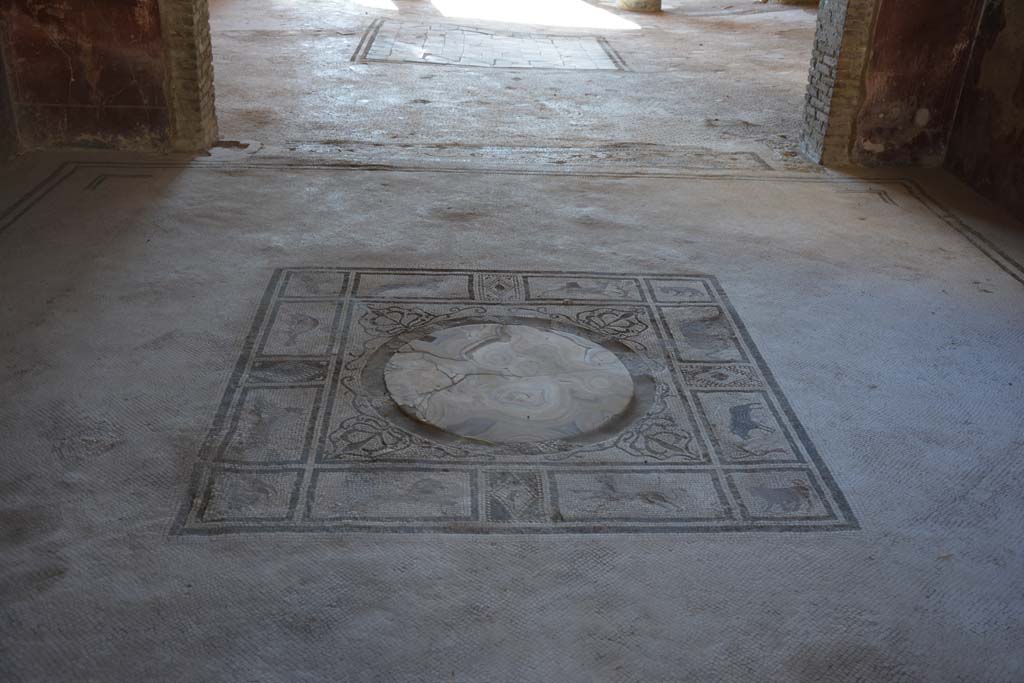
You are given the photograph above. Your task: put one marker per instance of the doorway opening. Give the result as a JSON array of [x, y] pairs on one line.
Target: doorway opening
[[704, 83]]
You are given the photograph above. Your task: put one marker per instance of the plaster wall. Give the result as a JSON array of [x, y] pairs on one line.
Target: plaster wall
[[987, 145], [87, 72], [912, 83]]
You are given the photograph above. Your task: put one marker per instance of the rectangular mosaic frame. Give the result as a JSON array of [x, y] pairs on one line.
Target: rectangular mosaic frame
[[296, 444], [388, 41]]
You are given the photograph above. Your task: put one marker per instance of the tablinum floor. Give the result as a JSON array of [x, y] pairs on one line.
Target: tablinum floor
[[701, 75], [868, 324]]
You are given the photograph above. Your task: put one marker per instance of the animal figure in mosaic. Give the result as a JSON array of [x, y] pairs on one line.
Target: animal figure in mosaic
[[426, 488], [610, 496], [742, 421], [685, 292], [708, 334], [260, 421], [252, 492], [793, 498], [603, 288], [298, 325], [759, 452]]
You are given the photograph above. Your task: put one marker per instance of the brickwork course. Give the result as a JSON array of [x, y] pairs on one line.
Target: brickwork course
[[835, 84]]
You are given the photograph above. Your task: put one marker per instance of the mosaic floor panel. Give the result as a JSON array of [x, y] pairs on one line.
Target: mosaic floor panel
[[453, 45], [533, 427]]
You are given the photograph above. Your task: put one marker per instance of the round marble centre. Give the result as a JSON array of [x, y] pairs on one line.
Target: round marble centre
[[508, 383]]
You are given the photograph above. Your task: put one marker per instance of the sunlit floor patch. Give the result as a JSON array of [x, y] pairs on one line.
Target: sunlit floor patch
[[561, 13], [378, 4]]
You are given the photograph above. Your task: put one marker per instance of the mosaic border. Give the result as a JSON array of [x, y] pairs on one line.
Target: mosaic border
[[543, 510]]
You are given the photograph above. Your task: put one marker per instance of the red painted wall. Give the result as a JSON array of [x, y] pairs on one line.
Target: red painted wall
[[86, 72], [919, 56]]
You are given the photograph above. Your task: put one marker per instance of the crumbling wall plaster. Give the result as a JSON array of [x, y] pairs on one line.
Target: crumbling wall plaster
[[86, 72], [987, 145], [912, 83], [125, 74]]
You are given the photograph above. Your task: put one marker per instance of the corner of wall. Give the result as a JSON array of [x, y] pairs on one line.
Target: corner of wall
[[188, 56], [836, 84]]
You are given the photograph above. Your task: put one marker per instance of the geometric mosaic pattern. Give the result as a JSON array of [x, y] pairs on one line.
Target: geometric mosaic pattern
[[308, 439], [393, 41]]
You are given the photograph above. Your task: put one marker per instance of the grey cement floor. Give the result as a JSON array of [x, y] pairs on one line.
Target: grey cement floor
[[127, 286], [888, 306]]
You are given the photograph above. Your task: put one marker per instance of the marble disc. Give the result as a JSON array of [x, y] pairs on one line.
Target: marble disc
[[508, 383]]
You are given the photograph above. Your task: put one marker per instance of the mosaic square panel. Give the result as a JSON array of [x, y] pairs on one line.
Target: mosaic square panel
[[392, 494], [780, 494], [744, 427], [680, 290], [562, 288], [454, 45], [703, 441], [414, 286], [639, 496], [272, 424], [515, 497], [235, 495], [702, 333], [300, 328]]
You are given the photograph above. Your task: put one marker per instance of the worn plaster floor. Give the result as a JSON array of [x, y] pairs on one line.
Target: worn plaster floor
[[559, 79], [221, 452], [882, 327]]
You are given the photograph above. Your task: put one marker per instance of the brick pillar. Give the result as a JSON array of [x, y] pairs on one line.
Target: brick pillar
[[189, 63], [836, 84]]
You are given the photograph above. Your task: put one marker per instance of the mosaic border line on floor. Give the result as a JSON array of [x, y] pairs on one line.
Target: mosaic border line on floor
[[663, 158], [456, 488]]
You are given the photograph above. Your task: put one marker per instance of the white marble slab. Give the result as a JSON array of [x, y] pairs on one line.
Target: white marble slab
[[509, 383]]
